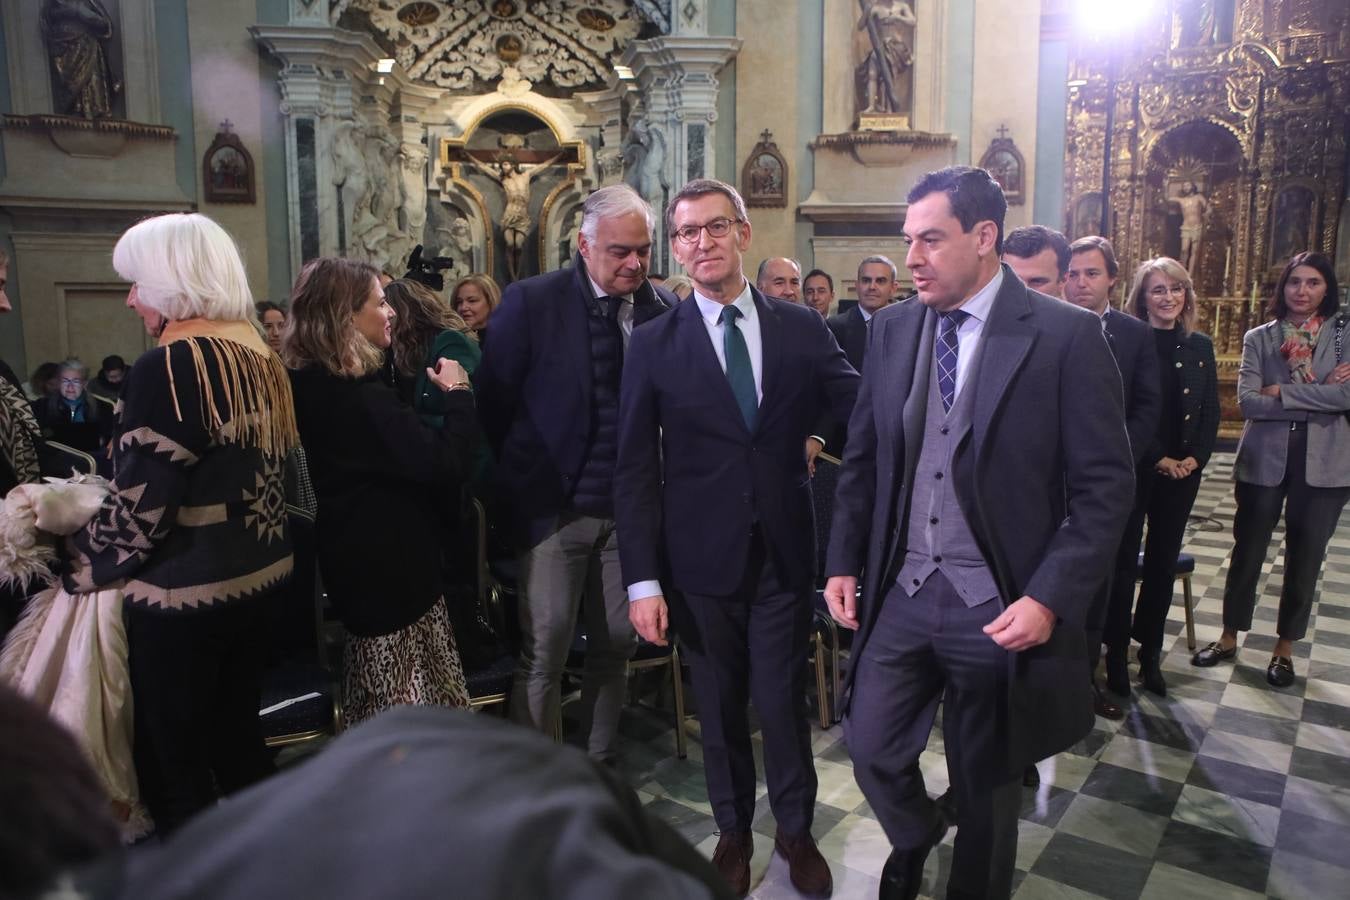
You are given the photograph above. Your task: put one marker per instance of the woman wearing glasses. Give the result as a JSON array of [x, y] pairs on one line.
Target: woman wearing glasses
[[1162, 295], [1294, 390]]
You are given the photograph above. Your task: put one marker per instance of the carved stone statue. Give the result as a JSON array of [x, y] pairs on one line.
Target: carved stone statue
[[884, 56], [75, 31], [457, 244], [1193, 207], [349, 174], [515, 183], [644, 153], [567, 247], [413, 161]]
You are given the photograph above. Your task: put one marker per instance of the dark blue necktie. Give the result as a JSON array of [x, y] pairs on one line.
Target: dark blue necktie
[[948, 352], [739, 373]]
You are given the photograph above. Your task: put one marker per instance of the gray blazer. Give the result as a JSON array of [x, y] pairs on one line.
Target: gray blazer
[[1265, 437]]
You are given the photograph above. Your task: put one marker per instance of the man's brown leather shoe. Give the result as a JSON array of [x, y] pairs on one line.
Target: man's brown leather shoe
[[810, 873], [732, 859]]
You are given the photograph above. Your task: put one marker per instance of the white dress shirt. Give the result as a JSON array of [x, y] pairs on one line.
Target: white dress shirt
[[969, 332], [748, 323], [625, 310]]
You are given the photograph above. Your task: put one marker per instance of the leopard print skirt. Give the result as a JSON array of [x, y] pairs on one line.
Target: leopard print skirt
[[418, 665]]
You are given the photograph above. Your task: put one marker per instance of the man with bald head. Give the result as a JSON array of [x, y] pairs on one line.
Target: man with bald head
[[780, 277]]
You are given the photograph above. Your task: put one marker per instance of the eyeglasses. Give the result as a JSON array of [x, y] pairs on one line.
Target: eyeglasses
[[717, 228], [1178, 290], [74, 382]]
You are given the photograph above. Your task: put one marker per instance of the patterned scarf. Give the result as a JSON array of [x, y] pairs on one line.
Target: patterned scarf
[[19, 434], [1297, 349]]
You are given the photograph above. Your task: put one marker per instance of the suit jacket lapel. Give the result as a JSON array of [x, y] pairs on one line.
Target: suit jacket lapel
[[571, 314], [1004, 344], [703, 359], [771, 354]]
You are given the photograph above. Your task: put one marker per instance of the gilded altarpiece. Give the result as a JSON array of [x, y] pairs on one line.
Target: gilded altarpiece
[[1227, 151]]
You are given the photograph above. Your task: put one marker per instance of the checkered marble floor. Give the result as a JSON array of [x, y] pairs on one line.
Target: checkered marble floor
[[1225, 789]]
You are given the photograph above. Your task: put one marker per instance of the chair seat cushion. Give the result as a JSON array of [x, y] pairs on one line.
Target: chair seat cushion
[[495, 678], [1185, 564], [290, 681]]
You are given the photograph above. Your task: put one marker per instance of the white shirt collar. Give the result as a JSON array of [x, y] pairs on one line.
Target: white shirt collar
[[866, 316], [600, 292], [978, 305], [711, 310]]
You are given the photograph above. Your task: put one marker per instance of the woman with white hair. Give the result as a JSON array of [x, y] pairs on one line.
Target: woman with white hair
[[193, 531]]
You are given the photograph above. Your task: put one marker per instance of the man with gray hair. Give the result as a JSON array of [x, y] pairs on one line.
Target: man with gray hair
[[548, 397], [780, 277]]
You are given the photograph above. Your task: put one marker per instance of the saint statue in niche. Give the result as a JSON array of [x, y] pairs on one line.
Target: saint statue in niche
[[884, 55], [1204, 23], [76, 32], [514, 180], [1193, 206]]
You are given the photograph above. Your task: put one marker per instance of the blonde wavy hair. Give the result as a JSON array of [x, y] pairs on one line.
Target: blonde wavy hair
[[1169, 268], [420, 315], [320, 329]]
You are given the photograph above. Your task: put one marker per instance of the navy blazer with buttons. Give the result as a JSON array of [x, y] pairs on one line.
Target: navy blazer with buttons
[[692, 479], [1132, 345], [534, 390]]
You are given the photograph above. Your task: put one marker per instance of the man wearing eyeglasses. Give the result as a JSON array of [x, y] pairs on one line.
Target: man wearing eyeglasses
[[713, 502], [1092, 274]]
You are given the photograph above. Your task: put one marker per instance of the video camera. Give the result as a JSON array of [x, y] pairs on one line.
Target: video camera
[[427, 271]]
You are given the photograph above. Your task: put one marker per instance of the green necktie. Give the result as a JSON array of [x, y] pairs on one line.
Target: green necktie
[[739, 373]]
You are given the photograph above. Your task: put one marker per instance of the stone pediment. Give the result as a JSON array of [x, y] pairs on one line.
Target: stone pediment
[[468, 45]]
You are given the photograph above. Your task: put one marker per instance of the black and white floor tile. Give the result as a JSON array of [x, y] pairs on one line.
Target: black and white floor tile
[[1227, 788]]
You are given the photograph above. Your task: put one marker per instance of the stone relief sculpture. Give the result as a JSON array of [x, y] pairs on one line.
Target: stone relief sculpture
[[413, 162], [457, 244], [567, 247], [372, 191], [884, 56], [644, 153], [76, 32], [349, 174], [516, 223]]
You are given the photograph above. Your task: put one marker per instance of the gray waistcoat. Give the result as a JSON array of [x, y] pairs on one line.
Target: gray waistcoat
[[938, 537]]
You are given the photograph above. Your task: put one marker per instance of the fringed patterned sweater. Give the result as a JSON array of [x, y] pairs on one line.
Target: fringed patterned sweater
[[197, 512]]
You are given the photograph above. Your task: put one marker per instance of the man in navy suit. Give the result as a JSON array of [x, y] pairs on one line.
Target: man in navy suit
[[548, 397], [1091, 276], [713, 503], [981, 498]]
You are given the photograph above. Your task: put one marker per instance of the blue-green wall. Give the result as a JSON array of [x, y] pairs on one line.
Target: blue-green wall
[[1051, 102], [811, 114], [279, 275], [722, 22], [175, 88], [960, 75]]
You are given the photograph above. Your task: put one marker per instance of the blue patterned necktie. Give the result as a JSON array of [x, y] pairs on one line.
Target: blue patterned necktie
[[739, 372], [947, 354]]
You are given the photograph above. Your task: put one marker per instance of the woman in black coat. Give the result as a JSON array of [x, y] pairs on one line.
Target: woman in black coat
[[1163, 296], [385, 482]]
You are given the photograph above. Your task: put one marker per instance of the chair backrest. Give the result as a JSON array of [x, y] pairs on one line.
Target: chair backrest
[[823, 485], [294, 615], [63, 461]]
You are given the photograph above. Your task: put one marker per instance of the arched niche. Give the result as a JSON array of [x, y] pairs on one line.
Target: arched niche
[[510, 167]]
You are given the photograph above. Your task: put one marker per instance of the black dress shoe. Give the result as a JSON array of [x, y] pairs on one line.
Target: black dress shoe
[[902, 875], [1213, 655], [1150, 672], [946, 807], [1117, 675], [1280, 672], [1104, 707], [1031, 777]]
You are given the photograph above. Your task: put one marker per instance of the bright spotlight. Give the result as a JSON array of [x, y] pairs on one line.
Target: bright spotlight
[[1101, 19], [385, 66]]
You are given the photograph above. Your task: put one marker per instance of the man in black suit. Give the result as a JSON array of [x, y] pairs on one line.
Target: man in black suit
[[876, 289], [1092, 274], [981, 496], [713, 502], [548, 396]]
